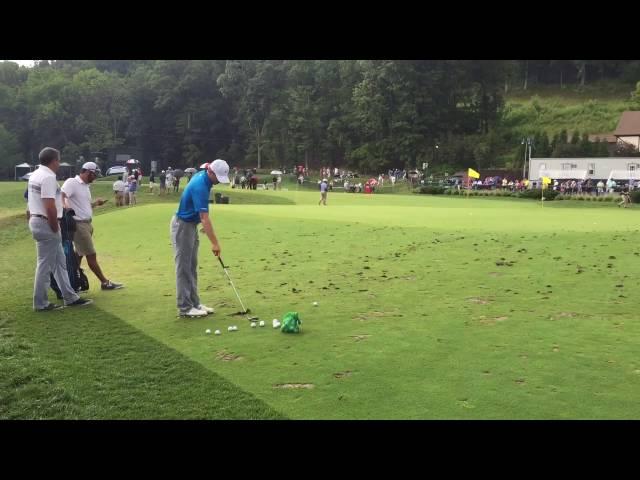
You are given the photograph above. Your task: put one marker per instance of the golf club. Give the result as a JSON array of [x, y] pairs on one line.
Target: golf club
[[245, 311]]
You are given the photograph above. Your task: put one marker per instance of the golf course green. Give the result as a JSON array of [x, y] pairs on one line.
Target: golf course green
[[429, 307]]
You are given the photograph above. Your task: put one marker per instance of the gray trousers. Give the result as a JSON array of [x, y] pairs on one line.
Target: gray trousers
[[51, 259], [185, 241]]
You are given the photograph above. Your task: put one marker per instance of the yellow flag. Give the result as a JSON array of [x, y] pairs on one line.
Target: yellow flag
[[546, 180], [473, 174]]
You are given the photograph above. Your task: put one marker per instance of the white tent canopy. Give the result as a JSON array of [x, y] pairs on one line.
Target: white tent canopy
[[23, 166], [624, 175], [564, 174], [583, 174]]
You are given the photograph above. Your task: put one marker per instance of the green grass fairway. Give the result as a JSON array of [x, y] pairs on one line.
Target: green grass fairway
[[429, 308]]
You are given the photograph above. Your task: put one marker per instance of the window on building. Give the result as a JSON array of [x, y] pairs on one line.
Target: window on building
[[566, 166], [632, 167], [592, 169]]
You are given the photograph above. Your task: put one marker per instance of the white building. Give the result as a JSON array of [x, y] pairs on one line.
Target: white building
[[618, 168]]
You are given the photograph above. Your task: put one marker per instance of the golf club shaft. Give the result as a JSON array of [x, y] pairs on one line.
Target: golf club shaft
[[232, 285]]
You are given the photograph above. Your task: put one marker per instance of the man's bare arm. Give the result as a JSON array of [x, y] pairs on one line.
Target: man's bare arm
[[52, 213], [208, 229]]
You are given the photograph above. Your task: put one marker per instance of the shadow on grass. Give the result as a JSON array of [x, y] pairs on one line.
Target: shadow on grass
[[88, 364]]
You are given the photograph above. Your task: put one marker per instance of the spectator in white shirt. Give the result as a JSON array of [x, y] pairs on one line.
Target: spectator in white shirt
[[77, 196], [45, 210], [118, 190]]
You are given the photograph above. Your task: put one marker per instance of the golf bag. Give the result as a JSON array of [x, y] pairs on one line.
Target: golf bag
[[77, 279]]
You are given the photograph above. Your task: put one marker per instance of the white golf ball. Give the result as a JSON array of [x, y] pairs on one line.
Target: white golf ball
[[235, 328], [253, 324], [315, 304], [207, 331], [262, 323], [217, 332], [230, 329]]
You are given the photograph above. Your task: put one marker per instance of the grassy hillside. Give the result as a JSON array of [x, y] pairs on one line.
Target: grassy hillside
[[593, 109]]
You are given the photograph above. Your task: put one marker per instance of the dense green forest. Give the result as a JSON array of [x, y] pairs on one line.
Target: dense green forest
[[368, 115]]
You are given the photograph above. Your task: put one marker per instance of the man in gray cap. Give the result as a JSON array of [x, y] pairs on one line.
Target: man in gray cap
[[194, 209], [77, 196], [45, 211]]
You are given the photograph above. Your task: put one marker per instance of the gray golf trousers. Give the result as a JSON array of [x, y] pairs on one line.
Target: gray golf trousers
[[51, 259], [185, 241]]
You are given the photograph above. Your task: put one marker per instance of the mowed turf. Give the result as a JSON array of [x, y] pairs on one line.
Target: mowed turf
[[429, 307]]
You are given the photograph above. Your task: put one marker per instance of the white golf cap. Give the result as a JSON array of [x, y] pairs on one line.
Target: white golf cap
[[221, 170], [90, 166]]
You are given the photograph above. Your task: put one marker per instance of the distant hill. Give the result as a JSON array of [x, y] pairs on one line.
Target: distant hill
[[594, 108]]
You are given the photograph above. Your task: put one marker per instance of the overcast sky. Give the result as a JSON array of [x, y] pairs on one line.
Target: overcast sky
[[25, 63]]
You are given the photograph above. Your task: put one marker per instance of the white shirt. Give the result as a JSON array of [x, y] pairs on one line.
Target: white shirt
[[118, 186], [43, 184], [78, 197]]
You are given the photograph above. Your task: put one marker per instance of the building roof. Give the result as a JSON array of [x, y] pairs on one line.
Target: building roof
[[607, 137], [629, 124]]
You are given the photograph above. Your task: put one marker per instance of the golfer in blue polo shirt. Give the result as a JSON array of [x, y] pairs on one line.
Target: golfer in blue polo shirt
[[194, 209]]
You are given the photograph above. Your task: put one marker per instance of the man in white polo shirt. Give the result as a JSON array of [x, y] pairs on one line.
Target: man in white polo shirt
[[45, 210], [77, 196], [118, 190]]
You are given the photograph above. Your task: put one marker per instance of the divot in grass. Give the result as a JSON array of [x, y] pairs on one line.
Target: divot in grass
[[227, 356], [359, 338], [479, 301], [307, 386]]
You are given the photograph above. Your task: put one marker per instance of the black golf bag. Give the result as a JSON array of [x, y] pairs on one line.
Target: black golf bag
[[78, 280]]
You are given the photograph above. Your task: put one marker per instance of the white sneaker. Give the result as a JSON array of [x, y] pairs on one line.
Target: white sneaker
[[209, 310], [194, 312]]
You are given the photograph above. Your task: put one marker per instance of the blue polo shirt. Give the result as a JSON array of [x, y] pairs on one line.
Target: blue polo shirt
[[195, 198]]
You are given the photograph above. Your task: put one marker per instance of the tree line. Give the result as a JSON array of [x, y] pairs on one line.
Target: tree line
[[368, 115]]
